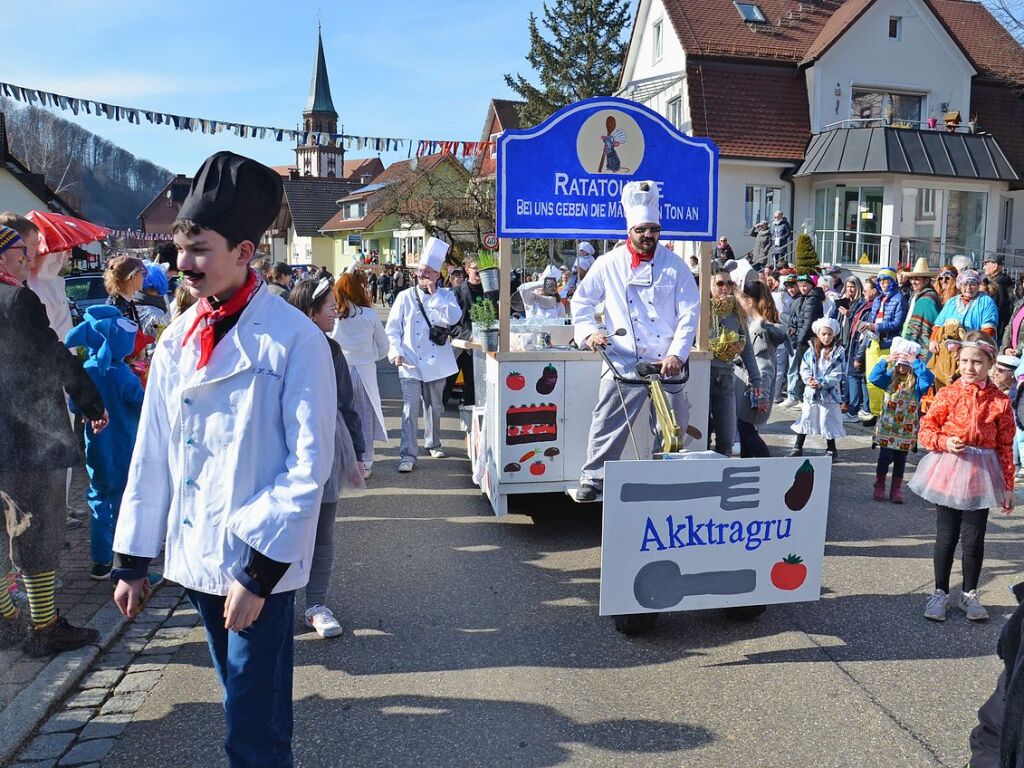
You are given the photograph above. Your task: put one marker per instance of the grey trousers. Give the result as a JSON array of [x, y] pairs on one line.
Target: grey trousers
[[609, 429], [323, 556], [34, 525], [429, 394], [723, 409]]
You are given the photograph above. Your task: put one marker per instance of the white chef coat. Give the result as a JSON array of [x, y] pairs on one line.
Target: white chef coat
[[657, 304], [362, 338], [541, 307], [235, 454], [409, 335]]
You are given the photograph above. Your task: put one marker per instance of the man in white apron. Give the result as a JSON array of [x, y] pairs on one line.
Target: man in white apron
[[419, 338], [235, 444], [649, 293]]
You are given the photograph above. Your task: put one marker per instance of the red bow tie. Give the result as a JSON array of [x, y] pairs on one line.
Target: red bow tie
[[636, 256]]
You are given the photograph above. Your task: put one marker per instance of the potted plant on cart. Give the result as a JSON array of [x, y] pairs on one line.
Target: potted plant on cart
[[485, 322], [487, 264]]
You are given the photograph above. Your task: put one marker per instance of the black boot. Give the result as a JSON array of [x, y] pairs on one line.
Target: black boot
[[830, 448], [798, 446], [58, 636]]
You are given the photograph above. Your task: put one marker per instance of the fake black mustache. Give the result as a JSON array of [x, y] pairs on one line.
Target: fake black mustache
[[190, 274]]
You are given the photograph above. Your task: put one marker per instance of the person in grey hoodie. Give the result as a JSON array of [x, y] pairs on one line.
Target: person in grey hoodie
[[765, 333], [728, 341]]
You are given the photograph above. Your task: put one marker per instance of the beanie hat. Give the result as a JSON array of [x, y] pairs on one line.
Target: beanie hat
[[8, 237], [887, 273]]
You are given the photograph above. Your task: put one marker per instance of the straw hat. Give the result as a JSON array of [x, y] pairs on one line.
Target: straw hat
[[921, 269]]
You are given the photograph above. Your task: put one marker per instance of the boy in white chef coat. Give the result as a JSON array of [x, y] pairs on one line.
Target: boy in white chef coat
[[418, 331], [649, 293], [235, 443]]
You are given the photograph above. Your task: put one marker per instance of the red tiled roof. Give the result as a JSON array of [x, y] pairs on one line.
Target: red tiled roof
[[714, 28], [1000, 112], [752, 111], [354, 168], [401, 172]]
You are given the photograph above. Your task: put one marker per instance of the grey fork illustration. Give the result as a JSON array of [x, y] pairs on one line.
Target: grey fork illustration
[[737, 489]]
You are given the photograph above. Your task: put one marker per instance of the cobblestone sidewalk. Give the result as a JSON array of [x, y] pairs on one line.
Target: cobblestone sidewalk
[[30, 687], [86, 726]]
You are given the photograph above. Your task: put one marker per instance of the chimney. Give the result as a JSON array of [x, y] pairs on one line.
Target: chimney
[[365, 178], [293, 174]]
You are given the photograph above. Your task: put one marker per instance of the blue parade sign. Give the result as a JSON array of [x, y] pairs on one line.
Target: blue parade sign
[[564, 178]]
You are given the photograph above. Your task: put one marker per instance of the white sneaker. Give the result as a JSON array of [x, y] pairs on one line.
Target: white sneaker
[[865, 416], [789, 402], [971, 605], [937, 606], [437, 453], [850, 419], [405, 466], [320, 618], [367, 470]]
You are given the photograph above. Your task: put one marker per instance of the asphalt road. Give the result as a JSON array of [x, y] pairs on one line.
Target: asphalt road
[[476, 642]]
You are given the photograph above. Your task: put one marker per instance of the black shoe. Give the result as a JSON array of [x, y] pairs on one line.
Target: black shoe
[[796, 452], [100, 571], [834, 453], [58, 636], [586, 493], [13, 632]]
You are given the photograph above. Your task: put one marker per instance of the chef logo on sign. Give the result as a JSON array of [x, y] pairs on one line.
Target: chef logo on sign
[[610, 142]]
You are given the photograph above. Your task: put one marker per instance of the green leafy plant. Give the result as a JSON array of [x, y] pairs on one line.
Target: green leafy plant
[[486, 260], [484, 314], [806, 259]]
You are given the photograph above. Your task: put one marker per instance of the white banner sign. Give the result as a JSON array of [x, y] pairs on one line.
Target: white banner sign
[[687, 535]]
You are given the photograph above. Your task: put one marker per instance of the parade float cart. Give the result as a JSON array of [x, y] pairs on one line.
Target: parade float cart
[[563, 179]]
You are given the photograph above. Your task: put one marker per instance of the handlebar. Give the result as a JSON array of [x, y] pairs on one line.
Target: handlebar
[[646, 371]]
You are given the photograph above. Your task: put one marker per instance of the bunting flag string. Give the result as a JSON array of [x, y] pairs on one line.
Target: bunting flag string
[[134, 115], [138, 234]]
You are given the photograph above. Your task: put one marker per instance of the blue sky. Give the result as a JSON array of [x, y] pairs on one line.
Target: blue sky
[[398, 68]]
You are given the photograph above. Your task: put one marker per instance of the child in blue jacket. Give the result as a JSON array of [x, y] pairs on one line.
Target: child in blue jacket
[[904, 379], [108, 337]]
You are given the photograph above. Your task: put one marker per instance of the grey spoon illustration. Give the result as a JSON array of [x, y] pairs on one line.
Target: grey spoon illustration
[[660, 585], [737, 489]]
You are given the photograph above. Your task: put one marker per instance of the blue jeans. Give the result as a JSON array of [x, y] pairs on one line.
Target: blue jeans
[[857, 390], [255, 670], [104, 508], [794, 382]]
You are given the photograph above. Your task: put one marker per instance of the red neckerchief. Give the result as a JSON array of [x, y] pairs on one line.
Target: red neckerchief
[[213, 315], [636, 256], [9, 279]]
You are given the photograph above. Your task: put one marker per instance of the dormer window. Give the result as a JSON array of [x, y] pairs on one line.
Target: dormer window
[[895, 27], [657, 39], [751, 13]]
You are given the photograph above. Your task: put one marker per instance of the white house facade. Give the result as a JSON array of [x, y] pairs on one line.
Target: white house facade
[[888, 129]]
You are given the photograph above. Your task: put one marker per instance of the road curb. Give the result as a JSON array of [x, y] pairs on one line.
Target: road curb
[[27, 711]]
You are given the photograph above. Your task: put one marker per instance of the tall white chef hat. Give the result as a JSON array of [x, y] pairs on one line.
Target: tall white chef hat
[[640, 203], [550, 271], [433, 254]]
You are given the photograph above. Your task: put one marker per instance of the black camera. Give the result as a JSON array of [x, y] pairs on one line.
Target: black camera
[[439, 334]]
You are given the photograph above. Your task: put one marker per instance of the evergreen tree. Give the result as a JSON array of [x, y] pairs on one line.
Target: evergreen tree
[[579, 57], [806, 261]]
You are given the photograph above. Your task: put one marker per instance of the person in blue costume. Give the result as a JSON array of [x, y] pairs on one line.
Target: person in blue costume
[[109, 337]]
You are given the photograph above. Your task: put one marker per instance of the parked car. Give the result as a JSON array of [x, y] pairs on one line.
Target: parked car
[[84, 289]]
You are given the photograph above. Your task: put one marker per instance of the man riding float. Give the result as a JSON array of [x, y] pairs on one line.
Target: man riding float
[[649, 293]]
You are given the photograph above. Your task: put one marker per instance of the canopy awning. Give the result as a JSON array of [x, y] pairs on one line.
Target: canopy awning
[[907, 151], [642, 91]]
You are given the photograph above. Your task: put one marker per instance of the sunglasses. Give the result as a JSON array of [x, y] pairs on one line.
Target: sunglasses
[[647, 230], [723, 283]]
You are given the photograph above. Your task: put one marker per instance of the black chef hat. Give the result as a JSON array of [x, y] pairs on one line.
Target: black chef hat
[[234, 196]]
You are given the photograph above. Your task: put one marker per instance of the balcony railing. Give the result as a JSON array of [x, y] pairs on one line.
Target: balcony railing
[[848, 247], [920, 125]]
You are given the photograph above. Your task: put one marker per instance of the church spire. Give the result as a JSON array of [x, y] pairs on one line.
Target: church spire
[[320, 87]]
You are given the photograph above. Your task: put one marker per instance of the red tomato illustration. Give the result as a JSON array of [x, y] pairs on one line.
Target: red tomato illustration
[[790, 573], [537, 468], [515, 381]]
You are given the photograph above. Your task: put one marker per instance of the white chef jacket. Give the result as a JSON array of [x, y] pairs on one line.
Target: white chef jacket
[[235, 454], [657, 304], [535, 304], [409, 335]]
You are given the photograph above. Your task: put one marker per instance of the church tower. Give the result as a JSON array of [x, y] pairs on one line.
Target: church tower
[[320, 116]]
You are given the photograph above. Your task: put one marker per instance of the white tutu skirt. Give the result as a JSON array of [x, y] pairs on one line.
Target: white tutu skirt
[[969, 480], [825, 419]]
